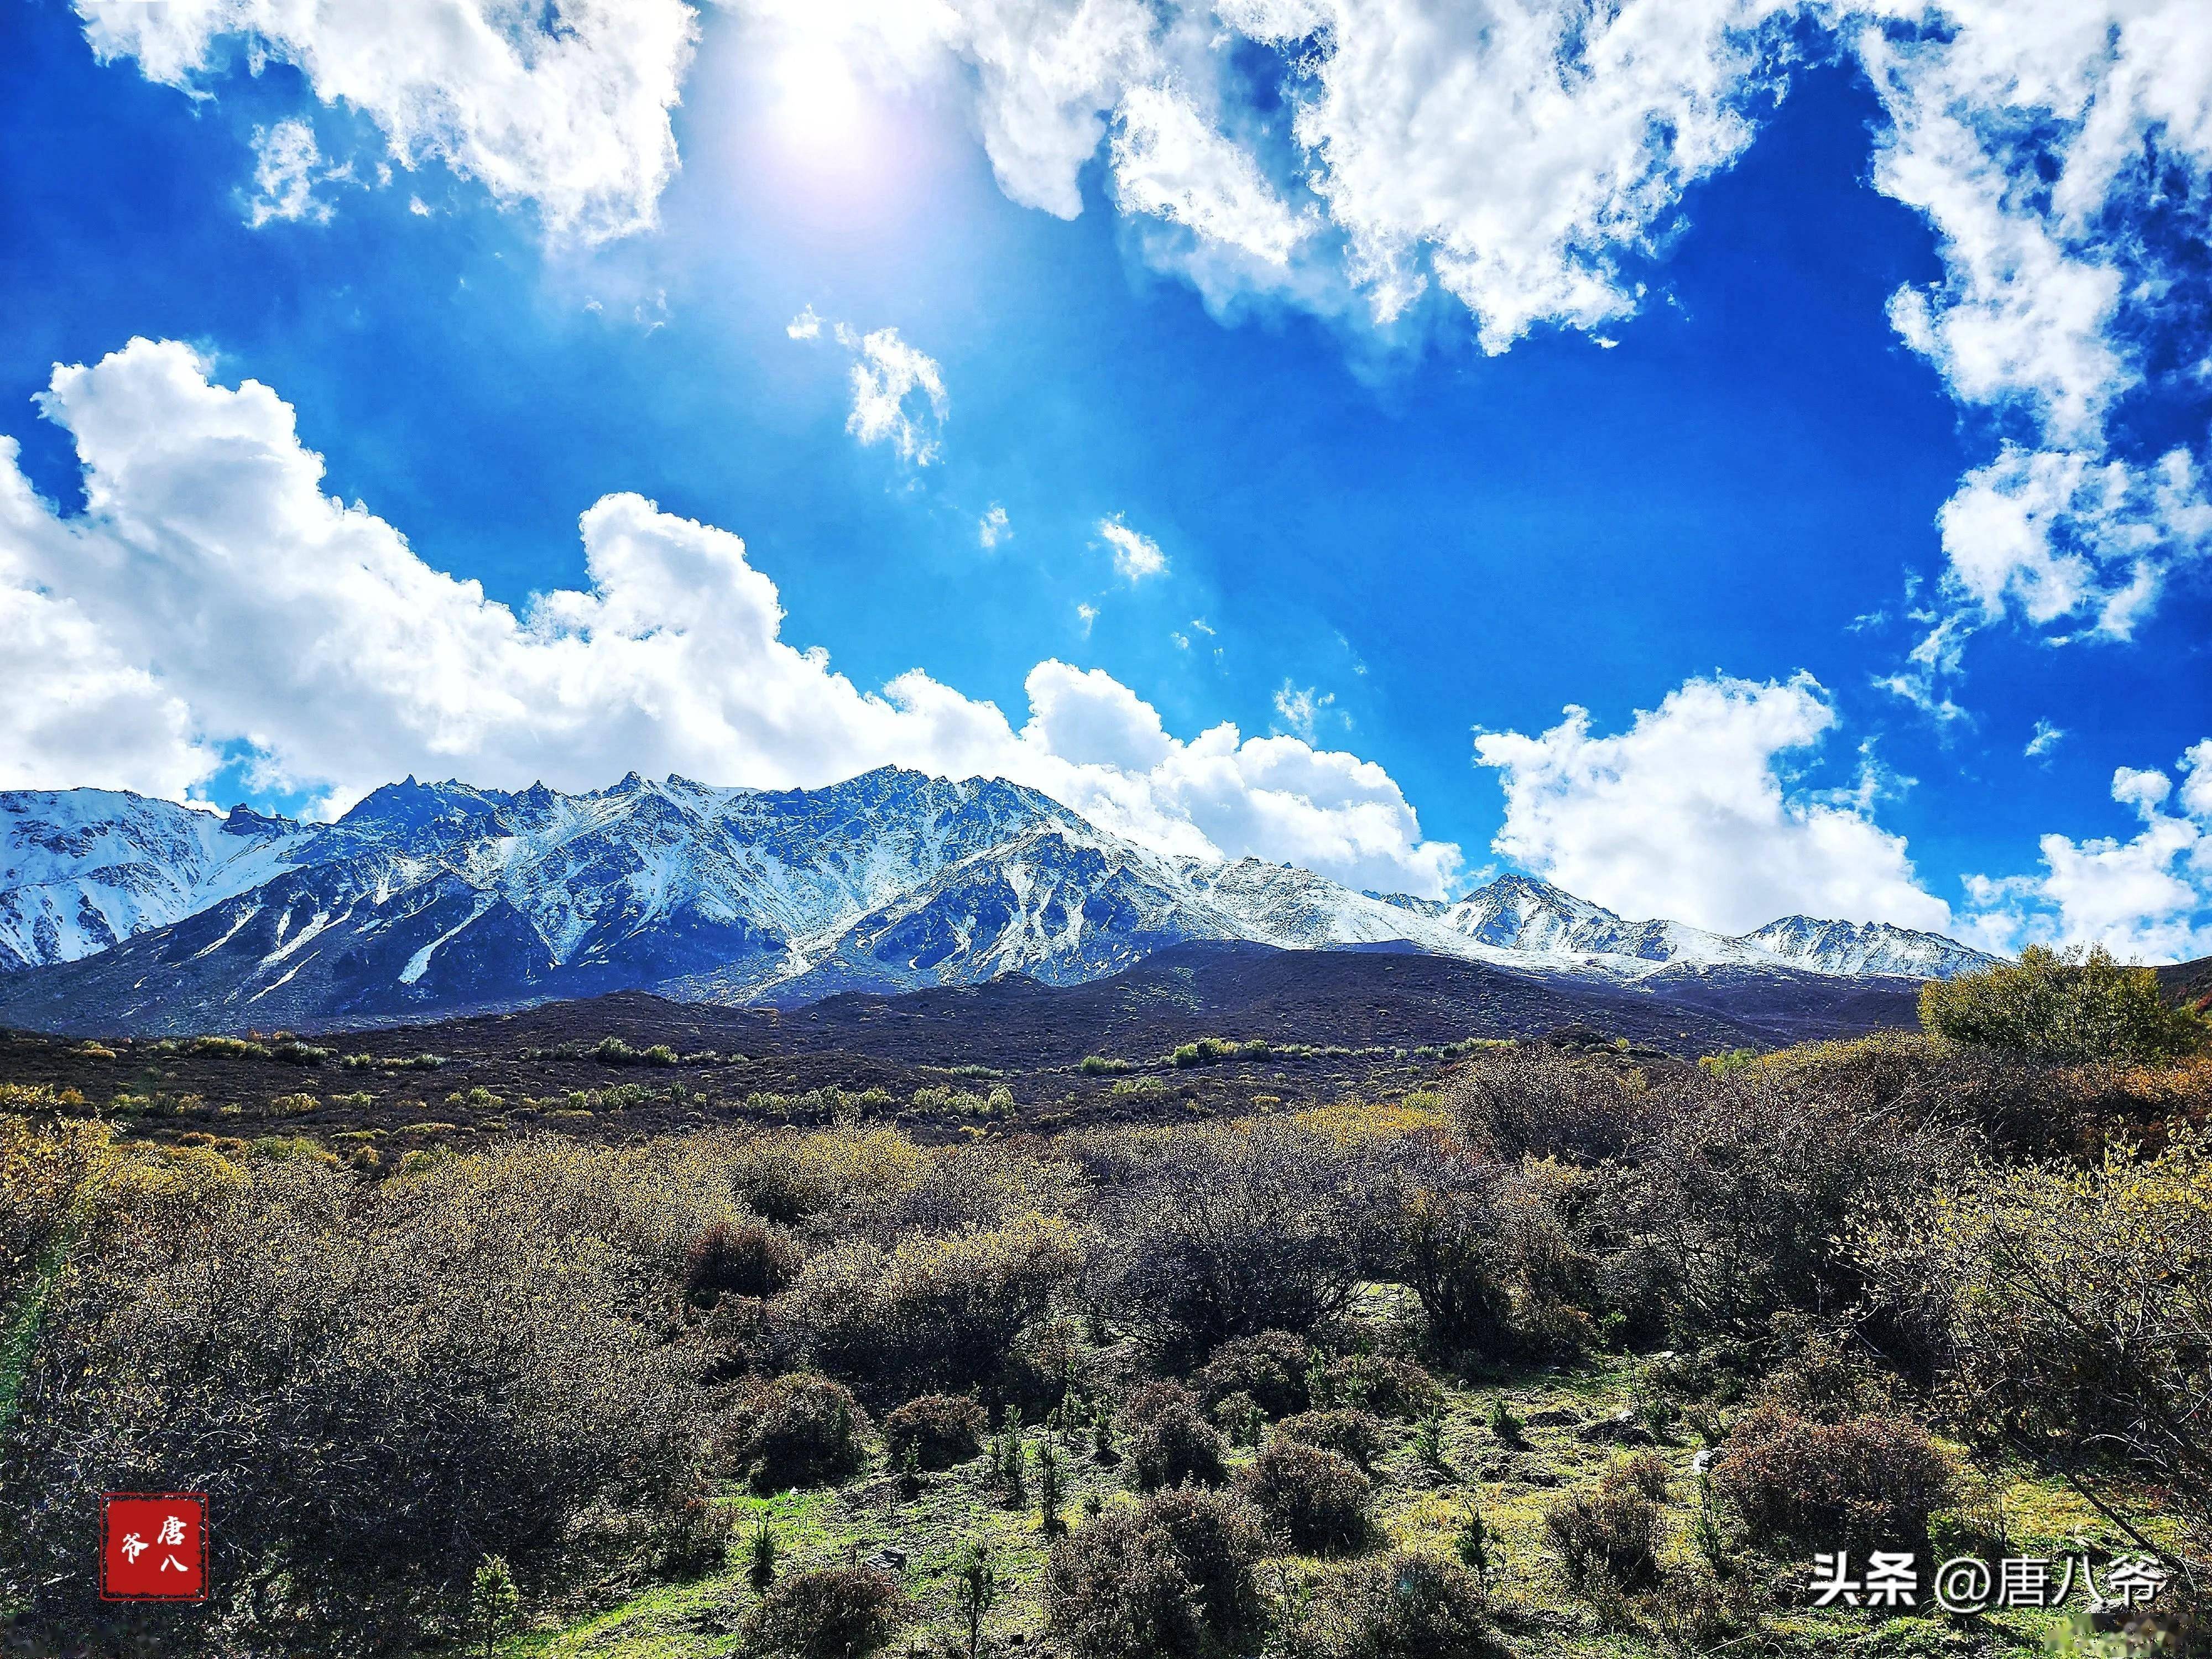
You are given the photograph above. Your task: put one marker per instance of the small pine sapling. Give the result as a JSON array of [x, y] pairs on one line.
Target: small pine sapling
[[494, 1606], [760, 1555], [974, 1587], [1102, 1435], [1429, 1439], [1503, 1423], [1048, 1490], [1472, 1545]]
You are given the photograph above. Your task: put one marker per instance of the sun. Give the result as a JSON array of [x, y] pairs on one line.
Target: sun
[[819, 103]]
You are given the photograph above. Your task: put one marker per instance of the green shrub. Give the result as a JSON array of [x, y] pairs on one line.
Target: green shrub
[[941, 1429], [1866, 1482], [1608, 1532], [1207, 1051], [1166, 1439], [2070, 1006], [930, 1313], [795, 1430], [1100, 1065], [737, 1258], [299, 1054], [1313, 1499], [1173, 1577], [1382, 1382], [1399, 1606], [444, 1363], [1224, 1230], [694, 1540], [228, 1046], [830, 1612], [2065, 1307], [1270, 1367], [1356, 1435]]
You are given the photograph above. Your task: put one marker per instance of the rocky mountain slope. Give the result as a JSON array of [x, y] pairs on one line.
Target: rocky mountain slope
[[122, 913]]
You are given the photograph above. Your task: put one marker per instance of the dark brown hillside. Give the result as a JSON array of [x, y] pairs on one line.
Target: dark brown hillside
[[2189, 982], [1340, 1023]]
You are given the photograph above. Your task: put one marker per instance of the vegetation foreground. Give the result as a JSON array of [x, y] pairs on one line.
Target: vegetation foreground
[[1587, 1353]]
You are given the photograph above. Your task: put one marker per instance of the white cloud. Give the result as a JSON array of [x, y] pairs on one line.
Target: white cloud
[[1301, 707], [564, 105], [211, 599], [992, 528], [1136, 555], [1168, 162], [86, 715], [2057, 536], [898, 394], [1692, 813], [2045, 737], [2148, 897], [1088, 615], [1528, 157], [2034, 137], [284, 173]]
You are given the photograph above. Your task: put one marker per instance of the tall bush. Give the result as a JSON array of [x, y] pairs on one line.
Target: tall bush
[[1174, 1577], [2063, 1005]]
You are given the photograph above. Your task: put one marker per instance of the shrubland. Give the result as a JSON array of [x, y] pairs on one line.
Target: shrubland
[[1589, 1354]]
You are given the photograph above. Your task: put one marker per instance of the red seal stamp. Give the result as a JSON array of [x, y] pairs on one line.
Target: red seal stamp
[[154, 1546]]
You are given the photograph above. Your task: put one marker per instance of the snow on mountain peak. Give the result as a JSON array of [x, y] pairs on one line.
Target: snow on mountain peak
[[435, 895]]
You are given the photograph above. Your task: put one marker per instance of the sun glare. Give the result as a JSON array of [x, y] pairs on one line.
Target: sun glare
[[819, 103]]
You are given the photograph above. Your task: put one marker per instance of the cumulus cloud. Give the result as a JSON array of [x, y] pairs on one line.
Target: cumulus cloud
[[1692, 813], [805, 327], [2148, 897], [1136, 555], [1519, 154], [2061, 535], [212, 600], [564, 106]]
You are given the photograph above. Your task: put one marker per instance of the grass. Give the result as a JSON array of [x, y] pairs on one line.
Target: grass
[[1418, 1507]]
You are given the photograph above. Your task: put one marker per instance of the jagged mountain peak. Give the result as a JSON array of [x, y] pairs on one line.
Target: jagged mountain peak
[[428, 897]]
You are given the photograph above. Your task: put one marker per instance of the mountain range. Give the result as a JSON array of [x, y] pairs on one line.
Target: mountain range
[[122, 913]]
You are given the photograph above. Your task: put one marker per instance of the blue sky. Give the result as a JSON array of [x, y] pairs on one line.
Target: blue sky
[[1657, 439]]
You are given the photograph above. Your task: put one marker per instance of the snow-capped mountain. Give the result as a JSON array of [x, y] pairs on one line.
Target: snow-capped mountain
[[430, 898], [82, 868]]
